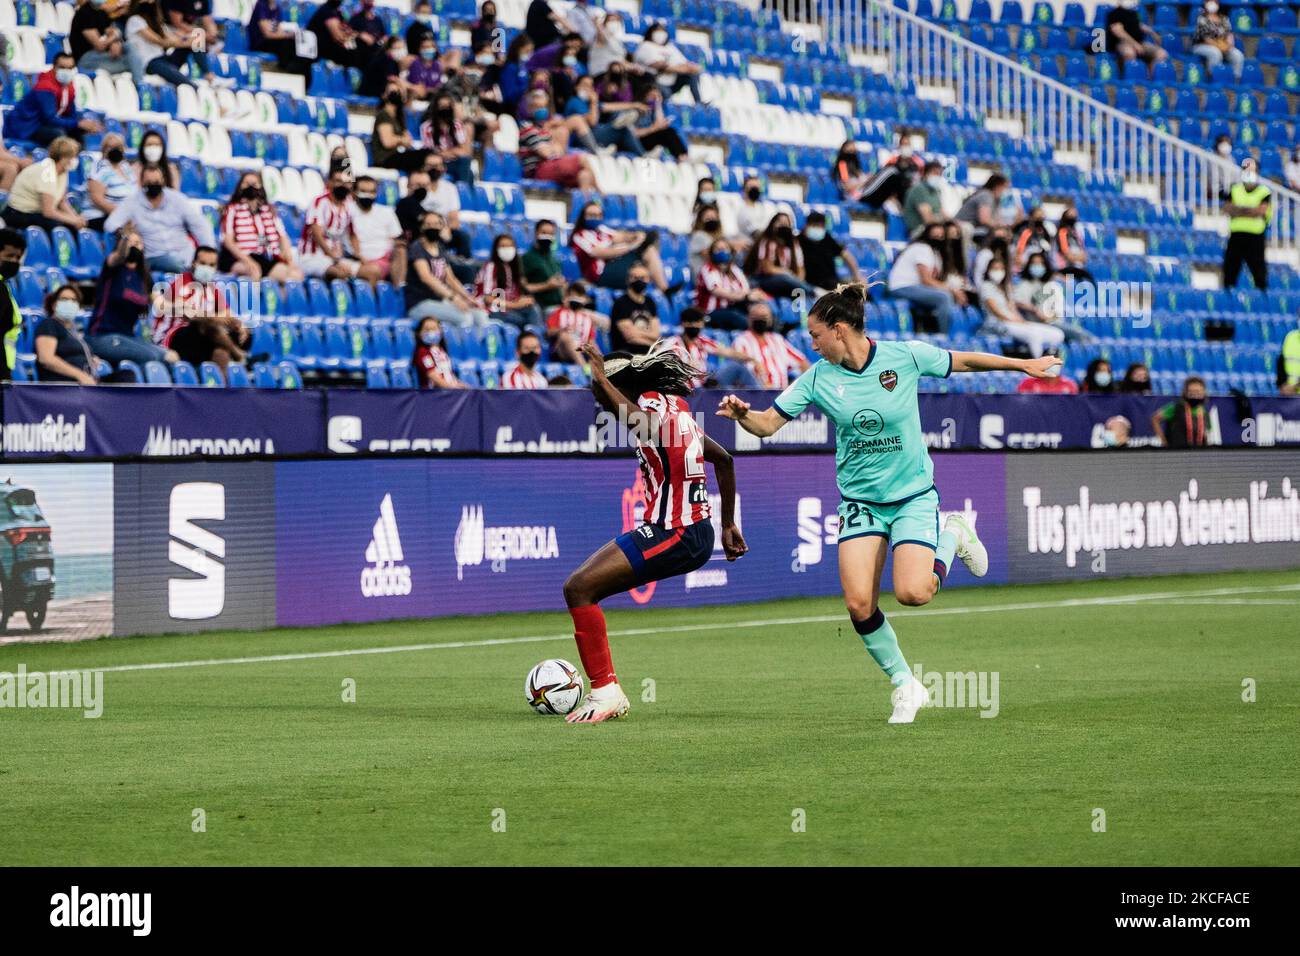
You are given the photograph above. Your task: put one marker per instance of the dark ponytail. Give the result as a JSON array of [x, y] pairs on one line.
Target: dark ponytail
[[846, 304]]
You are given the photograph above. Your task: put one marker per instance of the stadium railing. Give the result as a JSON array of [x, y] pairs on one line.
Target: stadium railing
[[907, 48]]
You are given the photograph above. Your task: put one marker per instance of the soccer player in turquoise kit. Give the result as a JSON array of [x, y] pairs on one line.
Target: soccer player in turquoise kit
[[883, 469]]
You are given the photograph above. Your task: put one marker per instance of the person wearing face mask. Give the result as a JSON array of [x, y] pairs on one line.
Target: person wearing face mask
[[916, 276], [1128, 38], [978, 214], [847, 171], [544, 150], [705, 231], [49, 109], [821, 251], [1182, 424], [193, 319], [1214, 43], [95, 42], [424, 75], [419, 25], [667, 63], [772, 358], [110, 180], [996, 246], [561, 61], [606, 256], [62, 355], [584, 106], [432, 287], [1249, 209], [121, 303], [775, 262], [40, 193], [1067, 245], [924, 201], [1099, 379], [1115, 433], [608, 47], [153, 152], [1137, 380], [522, 372], [253, 239], [486, 30], [391, 146], [734, 369], [1003, 319], [1032, 237], [13, 246], [442, 131], [543, 276], [377, 231], [1041, 298], [430, 190], [721, 290], [383, 68], [170, 225], [634, 317], [429, 357], [752, 215], [328, 246], [152, 44], [499, 287], [887, 188], [573, 324]]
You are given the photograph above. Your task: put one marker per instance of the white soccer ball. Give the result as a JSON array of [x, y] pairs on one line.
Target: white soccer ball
[[553, 687]]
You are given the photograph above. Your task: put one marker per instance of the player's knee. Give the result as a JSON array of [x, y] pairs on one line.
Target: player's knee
[[913, 595], [860, 609], [576, 592]]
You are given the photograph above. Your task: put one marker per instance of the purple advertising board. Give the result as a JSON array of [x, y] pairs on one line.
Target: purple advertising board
[[368, 540]]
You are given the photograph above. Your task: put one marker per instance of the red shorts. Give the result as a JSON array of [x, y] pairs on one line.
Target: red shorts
[[563, 171]]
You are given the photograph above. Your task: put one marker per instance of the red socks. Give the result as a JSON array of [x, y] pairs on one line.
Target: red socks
[[593, 645]]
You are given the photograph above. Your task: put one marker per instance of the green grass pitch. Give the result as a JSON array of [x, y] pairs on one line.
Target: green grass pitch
[[1118, 695]]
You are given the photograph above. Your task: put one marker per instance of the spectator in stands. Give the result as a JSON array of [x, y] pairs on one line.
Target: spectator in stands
[[328, 246], [430, 359], [11, 164], [1003, 319], [522, 372], [421, 25], [335, 40], [168, 223], [772, 357], [916, 276], [153, 152], [1214, 43], [1288, 364], [424, 75], [608, 47], [383, 67], [1182, 424], [543, 277], [475, 88], [110, 180], [997, 245], [655, 129], [253, 239], [49, 109], [1098, 379], [671, 70], [443, 131], [560, 61], [429, 190], [734, 371], [514, 73], [954, 263], [1070, 258], [1249, 208], [751, 216], [485, 29], [432, 288], [378, 234], [40, 193], [151, 42], [368, 27], [924, 201], [95, 42], [978, 214], [607, 255], [775, 261], [582, 21], [820, 251], [634, 317], [543, 149], [1137, 380], [722, 292], [62, 355], [1128, 38], [13, 246], [850, 179], [1115, 433], [1292, 171], [269, 32], [586, 106], [1040, 297], [572, 324], [1032, 237], [391, 146], [1058, 384], [706, 195], [192, 19], [617, 104], [193, 319], [500, 285], [706, 230], [543, 25], [121, 302]]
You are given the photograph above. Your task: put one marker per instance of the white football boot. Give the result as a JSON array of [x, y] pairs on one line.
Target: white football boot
[[970, 549], [601, 703], [908, 699]]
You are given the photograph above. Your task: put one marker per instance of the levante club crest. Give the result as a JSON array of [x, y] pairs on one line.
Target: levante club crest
[[889, 378]]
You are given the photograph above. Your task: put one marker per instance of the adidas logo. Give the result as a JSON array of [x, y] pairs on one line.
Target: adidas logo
[[386, 576]]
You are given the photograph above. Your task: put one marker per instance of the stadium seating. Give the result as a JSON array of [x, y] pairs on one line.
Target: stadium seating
[[784, 122]]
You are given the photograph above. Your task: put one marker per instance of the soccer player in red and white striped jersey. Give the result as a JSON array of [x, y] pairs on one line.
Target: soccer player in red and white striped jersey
[[522, 373], [676, 531], [773, 357]]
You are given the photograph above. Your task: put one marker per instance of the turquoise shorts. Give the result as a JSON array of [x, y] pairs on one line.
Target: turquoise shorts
[[913, 520]]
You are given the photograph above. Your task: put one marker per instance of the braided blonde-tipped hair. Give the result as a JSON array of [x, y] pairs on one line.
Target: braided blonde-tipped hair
[[660, 369]]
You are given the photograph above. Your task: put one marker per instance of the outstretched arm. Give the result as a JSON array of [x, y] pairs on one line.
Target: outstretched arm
[[733, 543], [762, 424], [610, 398], [1046, 367]]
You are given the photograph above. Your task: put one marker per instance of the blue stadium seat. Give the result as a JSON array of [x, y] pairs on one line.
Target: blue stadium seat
[[210, 375], [237, 376], [155, 373], [183, 373]]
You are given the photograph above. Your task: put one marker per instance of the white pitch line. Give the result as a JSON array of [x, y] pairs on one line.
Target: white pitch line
[[687, 628]]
